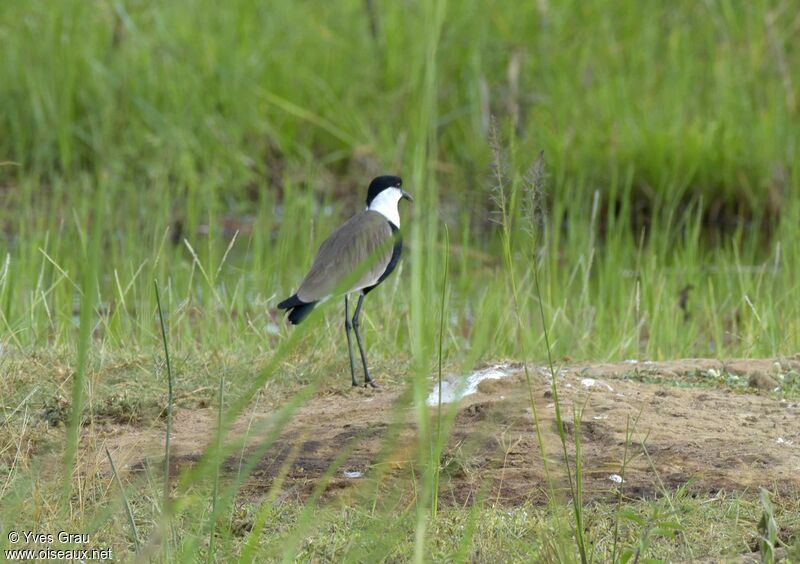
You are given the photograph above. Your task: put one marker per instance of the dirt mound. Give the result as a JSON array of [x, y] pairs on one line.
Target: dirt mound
[[710, 438]]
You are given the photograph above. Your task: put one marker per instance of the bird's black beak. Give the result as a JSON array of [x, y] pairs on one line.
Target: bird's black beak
[[407, 196]]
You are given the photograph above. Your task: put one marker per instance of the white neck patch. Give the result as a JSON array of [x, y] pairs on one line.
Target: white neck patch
[[385, 203]]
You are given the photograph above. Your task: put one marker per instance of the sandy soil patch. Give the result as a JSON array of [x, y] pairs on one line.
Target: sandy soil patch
[[710, 438]]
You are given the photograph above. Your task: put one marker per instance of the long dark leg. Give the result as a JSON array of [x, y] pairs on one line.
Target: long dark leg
[[356, 324], [347, 327]]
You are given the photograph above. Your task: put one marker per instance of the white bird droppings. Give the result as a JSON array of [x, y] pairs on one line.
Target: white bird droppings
[[455, 388], [616, 478], [589, 382]]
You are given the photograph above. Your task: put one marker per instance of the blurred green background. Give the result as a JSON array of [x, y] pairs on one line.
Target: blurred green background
[[212, 146], [672, 125], [191, 99]]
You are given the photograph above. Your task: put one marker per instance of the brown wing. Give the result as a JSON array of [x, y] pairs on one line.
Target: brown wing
[[356, 254]]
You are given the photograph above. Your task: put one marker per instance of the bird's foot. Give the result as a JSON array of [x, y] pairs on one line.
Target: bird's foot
[[371, 384]]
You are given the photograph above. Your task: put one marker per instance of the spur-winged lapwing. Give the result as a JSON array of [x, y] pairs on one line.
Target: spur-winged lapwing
[[360, 254]]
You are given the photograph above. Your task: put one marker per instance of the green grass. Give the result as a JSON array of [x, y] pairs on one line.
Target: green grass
[[212, 149], [172, 114]]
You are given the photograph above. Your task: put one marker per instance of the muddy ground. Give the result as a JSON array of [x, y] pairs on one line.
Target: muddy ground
[[682, 430]]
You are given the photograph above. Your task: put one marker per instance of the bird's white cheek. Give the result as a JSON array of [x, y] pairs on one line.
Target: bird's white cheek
[[385, 203]]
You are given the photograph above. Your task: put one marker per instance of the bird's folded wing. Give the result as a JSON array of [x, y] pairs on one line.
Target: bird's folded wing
[[354, 256]]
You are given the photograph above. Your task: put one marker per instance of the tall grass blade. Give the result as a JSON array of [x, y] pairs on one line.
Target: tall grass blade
[[215, 488], [87, 310], [168, 434], [128, 511], [439, 446]]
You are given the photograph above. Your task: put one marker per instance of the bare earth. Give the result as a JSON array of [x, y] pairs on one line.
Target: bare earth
[[709, 437]]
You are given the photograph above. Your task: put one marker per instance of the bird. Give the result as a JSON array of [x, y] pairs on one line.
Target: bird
[[359, 255]]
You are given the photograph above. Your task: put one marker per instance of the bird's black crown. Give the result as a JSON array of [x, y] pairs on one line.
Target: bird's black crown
[[380, 184]]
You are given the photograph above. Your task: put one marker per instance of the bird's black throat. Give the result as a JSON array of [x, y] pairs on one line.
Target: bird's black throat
[[397, 250]]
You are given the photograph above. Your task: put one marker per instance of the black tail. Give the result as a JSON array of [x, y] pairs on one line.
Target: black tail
[[298, 310]]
